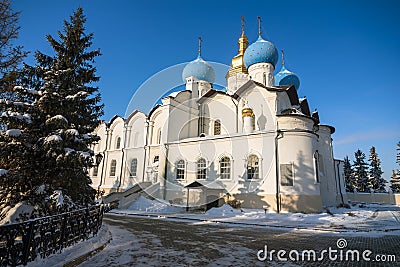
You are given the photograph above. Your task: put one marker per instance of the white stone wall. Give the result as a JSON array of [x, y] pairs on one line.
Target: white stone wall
[[177, 121], [222, 108]]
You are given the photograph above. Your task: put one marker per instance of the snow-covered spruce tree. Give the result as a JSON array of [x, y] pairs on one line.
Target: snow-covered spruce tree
[[348, 175], [360, 172], [64, 111], [70, 103], [18, 174], [375, 172], [395, 179]]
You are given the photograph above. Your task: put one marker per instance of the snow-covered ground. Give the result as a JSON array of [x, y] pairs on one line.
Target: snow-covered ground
[[72, 253], [359, 218], [373, 220]]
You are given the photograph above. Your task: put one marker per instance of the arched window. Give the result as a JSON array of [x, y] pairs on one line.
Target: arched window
[[225, 168], [217, 127], [118, 143], [133, 169], [156, 158], [159, 136], [113, 167], [201, 169], [180, 170], [316, 156], [135, 139], [252, 167]]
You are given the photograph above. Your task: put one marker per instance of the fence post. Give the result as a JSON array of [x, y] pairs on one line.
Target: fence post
[[63, 226], [27, 243]]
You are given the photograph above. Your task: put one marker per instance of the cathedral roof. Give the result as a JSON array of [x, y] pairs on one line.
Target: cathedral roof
[[289, 89], [286, 77], [200, 69], [261, 51], [210, 93]]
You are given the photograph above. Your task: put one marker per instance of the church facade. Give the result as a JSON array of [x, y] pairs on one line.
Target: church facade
[[256, 142]]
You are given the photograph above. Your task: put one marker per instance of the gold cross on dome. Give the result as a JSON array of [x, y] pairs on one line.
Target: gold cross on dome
[[242, 17], [200, 40]]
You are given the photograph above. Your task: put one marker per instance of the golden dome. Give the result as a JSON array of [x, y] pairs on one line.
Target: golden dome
[[237, 63], [247, 112]]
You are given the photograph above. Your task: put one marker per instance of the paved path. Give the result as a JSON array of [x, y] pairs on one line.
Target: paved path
[[139, 241]]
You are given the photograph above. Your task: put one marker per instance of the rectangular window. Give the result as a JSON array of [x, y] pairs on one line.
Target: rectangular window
[[252, 167], [201, 169], [321, 165], [316, 169], [95, 171], [180, 170], [113, 167], [201, 174], [286, 174], [225, 168], [133, 167]]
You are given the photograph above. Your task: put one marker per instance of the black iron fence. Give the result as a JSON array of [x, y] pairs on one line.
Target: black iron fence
[[23, 242]]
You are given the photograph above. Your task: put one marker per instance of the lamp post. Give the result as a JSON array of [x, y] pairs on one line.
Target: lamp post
[[98, 159]]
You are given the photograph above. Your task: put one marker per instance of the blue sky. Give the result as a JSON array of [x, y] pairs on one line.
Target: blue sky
[[346, 53]]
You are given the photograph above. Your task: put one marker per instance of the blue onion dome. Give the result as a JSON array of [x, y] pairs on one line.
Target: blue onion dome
[[286, 77], [200, 69], [261, 51]]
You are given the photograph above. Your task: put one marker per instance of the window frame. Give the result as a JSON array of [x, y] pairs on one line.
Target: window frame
[[217, 127], [180, 170], [253, 175], [158, 141], [118, 142], [222, 169], [95, 172], [201, 169], [291, 172], [113, 168], [131, 172], [316, 166]]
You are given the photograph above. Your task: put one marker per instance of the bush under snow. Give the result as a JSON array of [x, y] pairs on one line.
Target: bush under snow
[[13, 132], [18, 213], [145, 204], [224, 211]]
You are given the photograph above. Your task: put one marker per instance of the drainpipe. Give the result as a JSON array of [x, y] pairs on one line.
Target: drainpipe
[[145, 149], [122, 158], [237, 114], [278, 201], [165, 171], [200, 127]]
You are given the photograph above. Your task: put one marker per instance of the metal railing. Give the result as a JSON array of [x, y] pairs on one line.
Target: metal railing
[[23, 242]]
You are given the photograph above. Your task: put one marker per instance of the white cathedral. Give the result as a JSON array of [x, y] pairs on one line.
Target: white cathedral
[[255, 142]]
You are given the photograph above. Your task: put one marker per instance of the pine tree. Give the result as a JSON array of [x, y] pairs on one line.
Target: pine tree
[[348, 175], [360, 174], [375, 179], [398, 153], [395, 179], [54, 110]]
